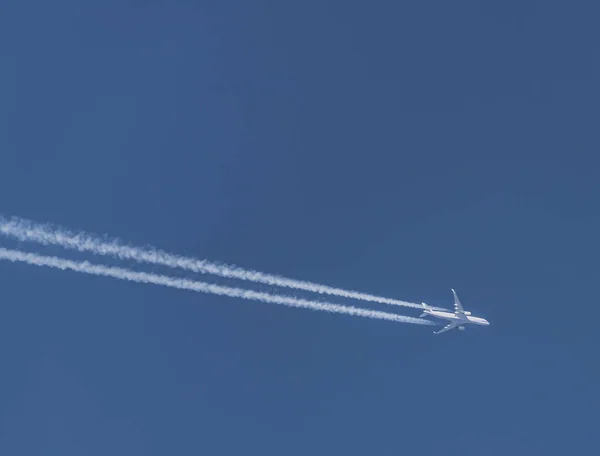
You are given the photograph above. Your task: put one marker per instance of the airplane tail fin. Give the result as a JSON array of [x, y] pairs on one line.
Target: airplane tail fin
[[426, 310]]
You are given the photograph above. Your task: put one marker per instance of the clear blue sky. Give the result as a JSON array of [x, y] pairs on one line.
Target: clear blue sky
[[394, 149]]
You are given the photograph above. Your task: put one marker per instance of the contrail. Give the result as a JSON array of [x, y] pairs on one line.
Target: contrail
[[184, 284], [25, 230]]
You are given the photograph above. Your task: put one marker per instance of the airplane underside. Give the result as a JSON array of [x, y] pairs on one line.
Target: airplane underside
[[458, 319]]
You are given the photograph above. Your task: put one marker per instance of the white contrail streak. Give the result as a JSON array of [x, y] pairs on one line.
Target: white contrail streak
[[184, 284], [25, 230]]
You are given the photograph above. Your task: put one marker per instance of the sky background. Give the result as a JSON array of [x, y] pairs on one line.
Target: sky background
[[395, 148]]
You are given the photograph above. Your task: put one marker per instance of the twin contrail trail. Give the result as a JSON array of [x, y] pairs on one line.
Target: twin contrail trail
[[184, 284], [25, 230]]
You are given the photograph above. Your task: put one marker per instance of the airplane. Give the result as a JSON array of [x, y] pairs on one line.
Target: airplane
[[458, 318]]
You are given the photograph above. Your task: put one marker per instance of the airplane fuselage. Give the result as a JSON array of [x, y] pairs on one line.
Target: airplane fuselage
[[451, 316], [457, 319]]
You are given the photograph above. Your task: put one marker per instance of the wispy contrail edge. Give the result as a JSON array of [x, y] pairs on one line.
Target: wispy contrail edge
[[26, 230], [185, 284]]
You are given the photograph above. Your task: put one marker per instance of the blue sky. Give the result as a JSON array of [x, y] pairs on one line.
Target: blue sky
[[400, 150]]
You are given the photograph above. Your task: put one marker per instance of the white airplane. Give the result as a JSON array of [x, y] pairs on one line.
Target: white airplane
[[458, 318]]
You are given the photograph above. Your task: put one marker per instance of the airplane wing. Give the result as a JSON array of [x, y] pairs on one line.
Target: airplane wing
[[458, 308], [448, 327]]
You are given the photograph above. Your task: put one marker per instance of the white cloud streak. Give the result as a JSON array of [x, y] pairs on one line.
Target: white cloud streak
[[25, 230], [202, 287]]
